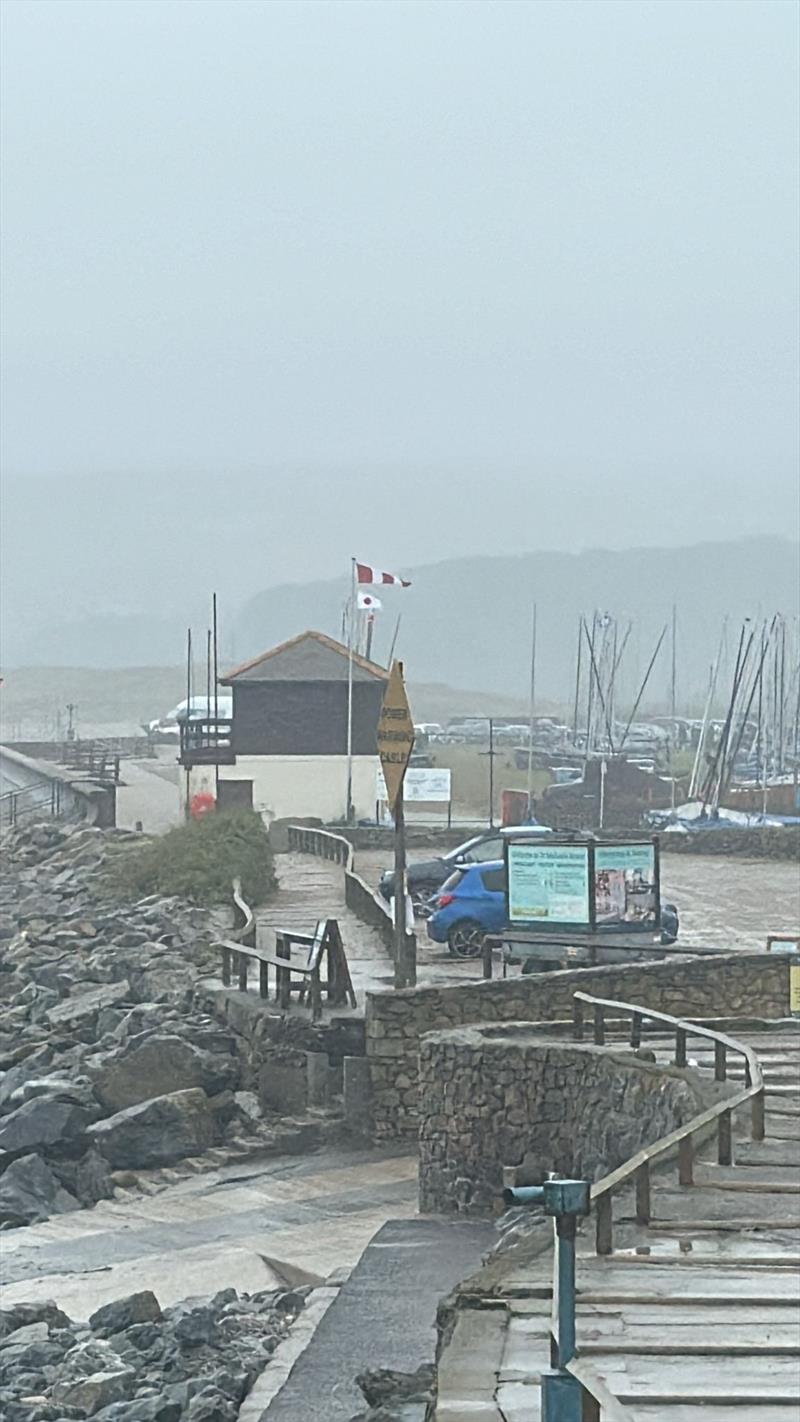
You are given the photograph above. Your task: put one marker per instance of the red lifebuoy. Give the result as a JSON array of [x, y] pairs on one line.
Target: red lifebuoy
[[201, 804]]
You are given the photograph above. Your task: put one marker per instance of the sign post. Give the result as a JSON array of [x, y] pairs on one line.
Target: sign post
[[395, 743]]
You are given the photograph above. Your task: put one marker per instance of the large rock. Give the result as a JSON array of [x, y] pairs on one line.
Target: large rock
[[22, 1315], [89, 1394], [83, 1006], [58, 1088], [124, 1313], [157, 1132], [159, 1065], [42, 1122], [29, 1191]]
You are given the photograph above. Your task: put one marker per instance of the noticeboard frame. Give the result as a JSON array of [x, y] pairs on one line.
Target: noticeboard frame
[[543, 927]]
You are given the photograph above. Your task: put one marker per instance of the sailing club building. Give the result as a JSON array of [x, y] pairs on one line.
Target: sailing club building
[[287, 744]]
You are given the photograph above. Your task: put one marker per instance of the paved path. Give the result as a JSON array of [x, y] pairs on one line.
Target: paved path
[[695, 1318], [315, 1213], [149, 794], [310, 889], [384, 1315]]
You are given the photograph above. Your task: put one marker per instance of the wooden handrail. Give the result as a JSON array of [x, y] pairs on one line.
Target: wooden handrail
[[244, 931], [682, 1138], [241, 948], [323, 844]]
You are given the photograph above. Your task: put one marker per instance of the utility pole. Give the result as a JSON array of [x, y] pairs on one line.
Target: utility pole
[[183, 730], [491, 754], [577, 682], [216, 695], [673, 711], [531, 713]]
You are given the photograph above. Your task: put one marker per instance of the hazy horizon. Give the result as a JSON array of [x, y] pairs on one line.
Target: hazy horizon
[[286, 283]]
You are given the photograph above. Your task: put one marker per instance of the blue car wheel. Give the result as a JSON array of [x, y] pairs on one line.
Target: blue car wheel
[[465, 939]]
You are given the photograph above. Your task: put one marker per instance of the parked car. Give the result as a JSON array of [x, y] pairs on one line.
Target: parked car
[[470, 904], [198, 709], [426, 876]]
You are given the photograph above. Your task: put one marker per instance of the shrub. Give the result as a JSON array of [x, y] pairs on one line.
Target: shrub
[[199, 860]]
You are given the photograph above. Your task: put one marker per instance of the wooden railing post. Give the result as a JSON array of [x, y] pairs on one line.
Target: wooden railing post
[[720, 1061], [643, 1194], [243, 966], [724, 1139], [599, 1025], [757, 1122], [636, 1029], [487, 957], [680, 1047], [604, 1225], [686, 1161], [263, 980], [577, 1020], [316, 996], [283, 975], [226, 966]]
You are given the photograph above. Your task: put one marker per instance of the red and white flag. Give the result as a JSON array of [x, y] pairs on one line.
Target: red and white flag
[[365, 574], [368, 603]]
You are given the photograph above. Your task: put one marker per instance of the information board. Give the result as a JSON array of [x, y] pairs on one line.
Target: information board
[[422, 783], [626, 885], [548, 884]]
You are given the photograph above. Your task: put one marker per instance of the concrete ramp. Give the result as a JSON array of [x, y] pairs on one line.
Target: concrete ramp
[[383, 1316]]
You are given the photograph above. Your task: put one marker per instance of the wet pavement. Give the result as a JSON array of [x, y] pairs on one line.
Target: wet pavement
[[724, 902], [223, 1229]]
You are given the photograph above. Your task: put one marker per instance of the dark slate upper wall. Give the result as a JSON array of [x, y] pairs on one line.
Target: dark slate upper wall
[[304, 718]]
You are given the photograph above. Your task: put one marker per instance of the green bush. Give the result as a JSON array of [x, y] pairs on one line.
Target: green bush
[[199, 860]]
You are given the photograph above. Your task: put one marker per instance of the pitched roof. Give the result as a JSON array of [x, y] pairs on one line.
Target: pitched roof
[[311, 656]]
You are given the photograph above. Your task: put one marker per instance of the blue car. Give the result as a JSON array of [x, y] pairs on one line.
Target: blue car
[[471, 903]]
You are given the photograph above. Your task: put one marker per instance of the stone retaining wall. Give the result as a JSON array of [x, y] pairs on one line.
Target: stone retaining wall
[[732, 985], [496, 1096]]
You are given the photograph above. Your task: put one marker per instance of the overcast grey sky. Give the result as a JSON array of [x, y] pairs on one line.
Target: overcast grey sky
[[550, 248]]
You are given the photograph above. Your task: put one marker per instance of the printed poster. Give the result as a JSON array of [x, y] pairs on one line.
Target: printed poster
[[625, 889], [548, 884]]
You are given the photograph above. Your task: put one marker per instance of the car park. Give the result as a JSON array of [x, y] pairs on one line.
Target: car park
[[425, 877]]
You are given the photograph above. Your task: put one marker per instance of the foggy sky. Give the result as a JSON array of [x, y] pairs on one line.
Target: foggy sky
[[525, 274]]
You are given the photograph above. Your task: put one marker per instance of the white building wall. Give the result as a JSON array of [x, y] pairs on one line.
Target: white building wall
[[302, 785]]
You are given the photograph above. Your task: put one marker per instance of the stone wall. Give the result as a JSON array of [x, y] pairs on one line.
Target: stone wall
[[290, 1062], [732, 985], [496, 1096]]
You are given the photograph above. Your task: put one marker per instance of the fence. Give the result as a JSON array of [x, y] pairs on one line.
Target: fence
[[364, 902], [30, 802]]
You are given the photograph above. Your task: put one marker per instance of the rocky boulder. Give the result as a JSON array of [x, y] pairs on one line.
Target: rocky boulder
[[29, 1191], [160, 1064], [157, 1132], [83, 1006], [42, 1122], [124, 1313]]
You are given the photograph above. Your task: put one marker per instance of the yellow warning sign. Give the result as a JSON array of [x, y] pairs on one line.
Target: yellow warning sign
[[794, 989], [395, 733]]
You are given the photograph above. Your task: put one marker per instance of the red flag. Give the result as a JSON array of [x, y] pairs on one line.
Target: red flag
[[366, 574]]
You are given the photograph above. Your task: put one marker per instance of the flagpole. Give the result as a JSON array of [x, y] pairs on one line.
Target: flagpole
[[531, 714], [350, 625]]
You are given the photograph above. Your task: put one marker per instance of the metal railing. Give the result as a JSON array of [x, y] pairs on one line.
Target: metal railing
[[637, 1170], [30, 802]]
